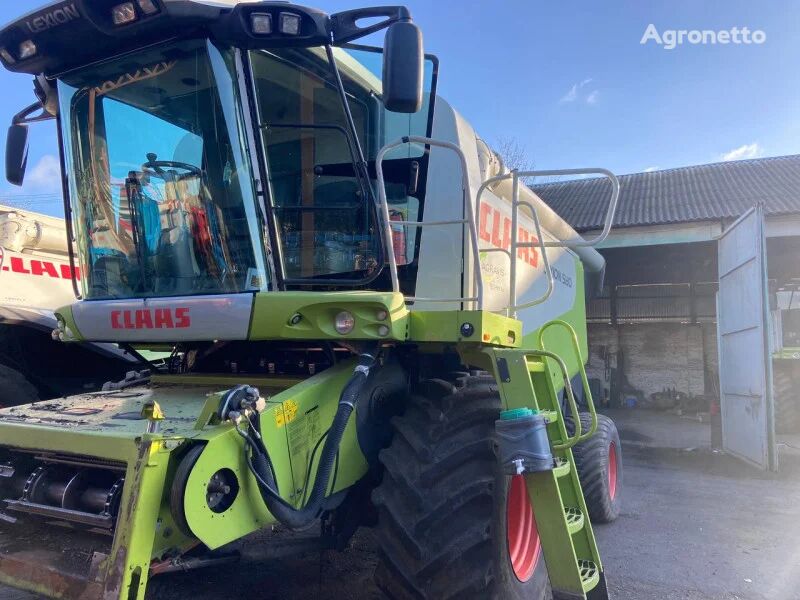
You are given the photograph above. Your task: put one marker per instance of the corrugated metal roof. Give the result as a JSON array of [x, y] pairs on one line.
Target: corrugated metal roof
[[698, 193]]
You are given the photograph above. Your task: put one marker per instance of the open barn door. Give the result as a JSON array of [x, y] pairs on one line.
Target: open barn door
[[745, 368]]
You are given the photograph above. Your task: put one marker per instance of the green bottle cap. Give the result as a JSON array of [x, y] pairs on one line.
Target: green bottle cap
[[517, 413]]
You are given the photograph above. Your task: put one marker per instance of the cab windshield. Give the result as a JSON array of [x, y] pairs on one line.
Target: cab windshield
[[162, 195]]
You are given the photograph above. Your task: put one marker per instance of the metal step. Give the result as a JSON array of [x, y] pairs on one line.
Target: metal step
[[562, 467], [575, 519], [590, 574]]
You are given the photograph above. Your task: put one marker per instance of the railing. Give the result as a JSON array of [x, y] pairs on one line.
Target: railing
[[577, 436], [469, 223]]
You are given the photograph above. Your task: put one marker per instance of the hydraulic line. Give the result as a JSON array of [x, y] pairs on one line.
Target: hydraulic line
[[261, 465]]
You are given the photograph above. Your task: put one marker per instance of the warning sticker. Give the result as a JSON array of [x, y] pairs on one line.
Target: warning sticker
[[285, 413]]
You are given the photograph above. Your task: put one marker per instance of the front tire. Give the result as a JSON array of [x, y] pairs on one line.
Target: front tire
[[451, 523]]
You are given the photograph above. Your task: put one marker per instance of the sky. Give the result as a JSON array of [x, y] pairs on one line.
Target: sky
[[570, 82]]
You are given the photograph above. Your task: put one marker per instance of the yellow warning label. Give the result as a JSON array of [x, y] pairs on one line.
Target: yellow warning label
[[286, 413]]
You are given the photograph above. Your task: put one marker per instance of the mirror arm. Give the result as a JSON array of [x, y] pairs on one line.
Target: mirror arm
[[344, 28], [24, 117]]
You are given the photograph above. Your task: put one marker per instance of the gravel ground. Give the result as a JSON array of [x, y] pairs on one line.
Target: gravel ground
[[694, 525]]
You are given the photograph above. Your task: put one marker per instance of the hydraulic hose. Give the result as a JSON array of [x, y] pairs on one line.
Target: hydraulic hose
[[261, 466]]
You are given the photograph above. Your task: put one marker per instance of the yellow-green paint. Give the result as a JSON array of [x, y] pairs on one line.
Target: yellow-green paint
[[311, 315]]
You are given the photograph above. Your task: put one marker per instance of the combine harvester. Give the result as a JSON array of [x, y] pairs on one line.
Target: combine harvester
[[372, 322], [35, 279]]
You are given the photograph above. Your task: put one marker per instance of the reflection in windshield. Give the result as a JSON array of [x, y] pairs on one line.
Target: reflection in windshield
[[162, 197]]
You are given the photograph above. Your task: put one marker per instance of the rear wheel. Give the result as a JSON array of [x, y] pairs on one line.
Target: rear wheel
[[451, 523], [15, 389], [786, 381], [599, 464]]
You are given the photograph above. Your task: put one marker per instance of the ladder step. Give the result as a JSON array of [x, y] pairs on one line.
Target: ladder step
[[536, 366], [574, 518], [590, 574], [550, 416], [562, 467]]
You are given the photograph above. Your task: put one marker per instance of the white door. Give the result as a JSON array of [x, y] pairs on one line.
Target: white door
[[745, 368]]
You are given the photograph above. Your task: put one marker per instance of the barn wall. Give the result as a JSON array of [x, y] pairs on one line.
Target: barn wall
[[657, 355]]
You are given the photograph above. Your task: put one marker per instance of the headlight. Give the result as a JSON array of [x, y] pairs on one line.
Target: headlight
[[344, 323]]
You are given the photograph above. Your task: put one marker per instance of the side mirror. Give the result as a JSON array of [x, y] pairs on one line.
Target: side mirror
[[403, 68], [16, 154]]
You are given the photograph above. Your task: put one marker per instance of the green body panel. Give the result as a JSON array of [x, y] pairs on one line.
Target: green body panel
[[273, 311], [107, 425]]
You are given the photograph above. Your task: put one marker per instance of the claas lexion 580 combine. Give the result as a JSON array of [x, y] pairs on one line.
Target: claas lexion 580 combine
[[368, 319]]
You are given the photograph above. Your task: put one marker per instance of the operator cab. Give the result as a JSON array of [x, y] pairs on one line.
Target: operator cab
[[238, 158]]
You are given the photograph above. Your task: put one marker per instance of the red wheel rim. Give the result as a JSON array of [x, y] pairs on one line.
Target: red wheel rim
[[524, 546], [612, 470]]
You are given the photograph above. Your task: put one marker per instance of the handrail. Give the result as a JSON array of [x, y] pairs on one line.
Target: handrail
[[584, 380], [516, 244], [610, 212], [469, 220], [573, 406]]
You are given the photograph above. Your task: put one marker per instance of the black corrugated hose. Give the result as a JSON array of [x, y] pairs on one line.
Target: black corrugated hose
[[261, 465]]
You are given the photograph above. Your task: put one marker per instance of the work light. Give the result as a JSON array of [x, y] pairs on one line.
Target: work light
[[27, 49], [148, 7], [261, 23], [290, 23], [122, 14]]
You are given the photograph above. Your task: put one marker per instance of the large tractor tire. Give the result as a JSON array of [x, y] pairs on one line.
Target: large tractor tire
[[15, 389], [599, 464], [786, 388], [451, 523]]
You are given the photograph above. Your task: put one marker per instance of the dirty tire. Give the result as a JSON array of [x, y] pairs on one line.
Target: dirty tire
[[786, 386], [592, 459], [442, 527], [15, 389]]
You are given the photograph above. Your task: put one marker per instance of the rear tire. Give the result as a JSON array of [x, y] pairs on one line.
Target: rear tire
[[444, 501], [15, 389], [786, 381], [599, 464]]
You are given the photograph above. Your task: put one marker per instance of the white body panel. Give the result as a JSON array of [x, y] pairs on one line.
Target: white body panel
[[442, 246], [195, 318], [34, 268]]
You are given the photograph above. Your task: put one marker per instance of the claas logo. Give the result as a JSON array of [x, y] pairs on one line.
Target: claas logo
[[22, 266], [496, 229], [158, 318]]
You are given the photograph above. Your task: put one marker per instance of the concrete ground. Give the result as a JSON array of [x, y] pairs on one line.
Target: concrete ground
[[694, 525]]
